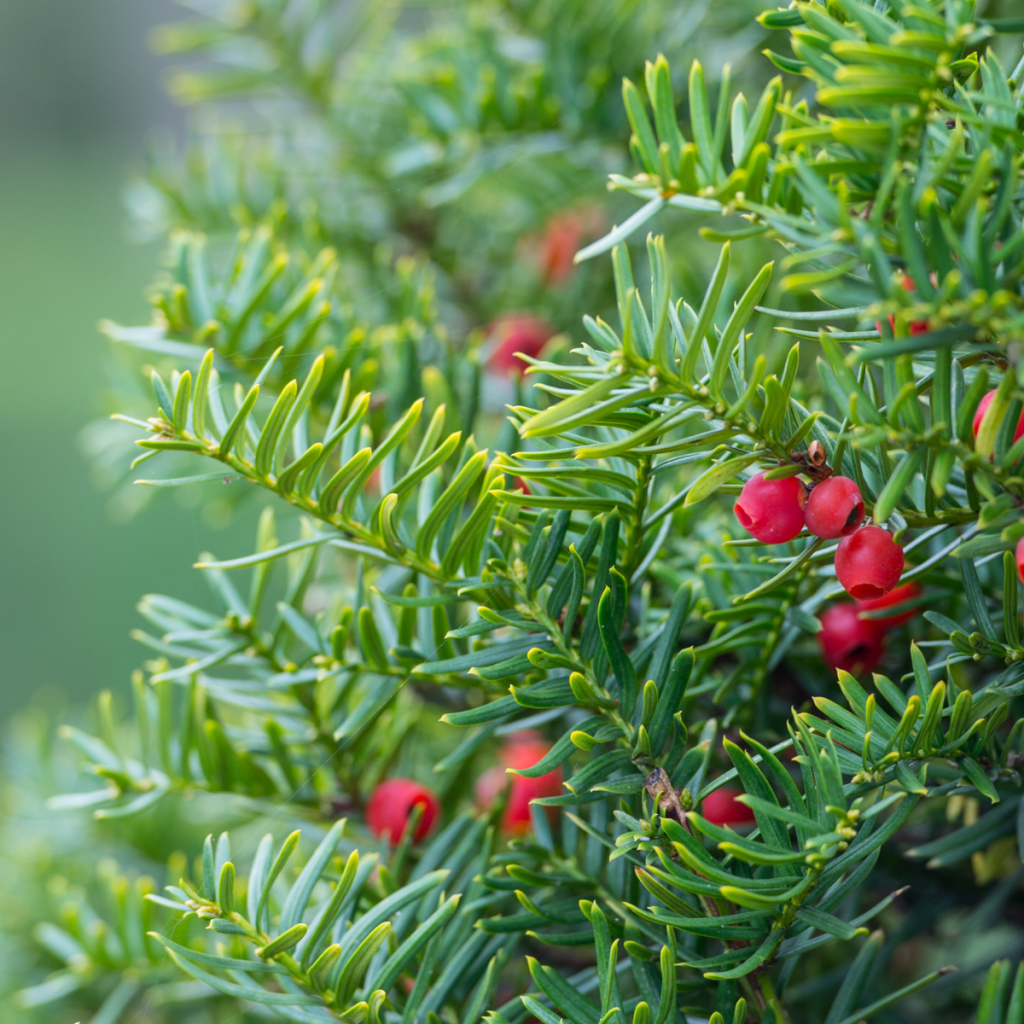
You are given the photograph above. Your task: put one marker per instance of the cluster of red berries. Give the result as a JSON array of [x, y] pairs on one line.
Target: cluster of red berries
[[391, 805], [868, 562]]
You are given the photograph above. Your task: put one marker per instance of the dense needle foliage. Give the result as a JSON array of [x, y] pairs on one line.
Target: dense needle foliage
[[462, 568]]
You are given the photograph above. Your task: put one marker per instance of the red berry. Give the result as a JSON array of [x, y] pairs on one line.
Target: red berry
[[979, 415], [869, 563], [849, 642], [1019, 557], [563, 234], [771, 510], [558, 247], [522, 751], [517, 332], [898, 596], [834, 508], [722, 808], [391, 804]]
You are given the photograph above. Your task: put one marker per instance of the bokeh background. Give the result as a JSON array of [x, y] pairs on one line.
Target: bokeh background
[[82, 92]]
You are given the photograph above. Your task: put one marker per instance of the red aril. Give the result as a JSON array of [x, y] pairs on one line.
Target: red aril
[[834, 508], [722, 808], [558, 247], [849, 642], [1019, 558], [772, 511], [979, 415], [869, 563], [391, 805], [517, 332], [523, 750], [563, 235]]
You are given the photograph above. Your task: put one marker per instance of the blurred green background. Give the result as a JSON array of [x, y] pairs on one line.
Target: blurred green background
[[82, 91]]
